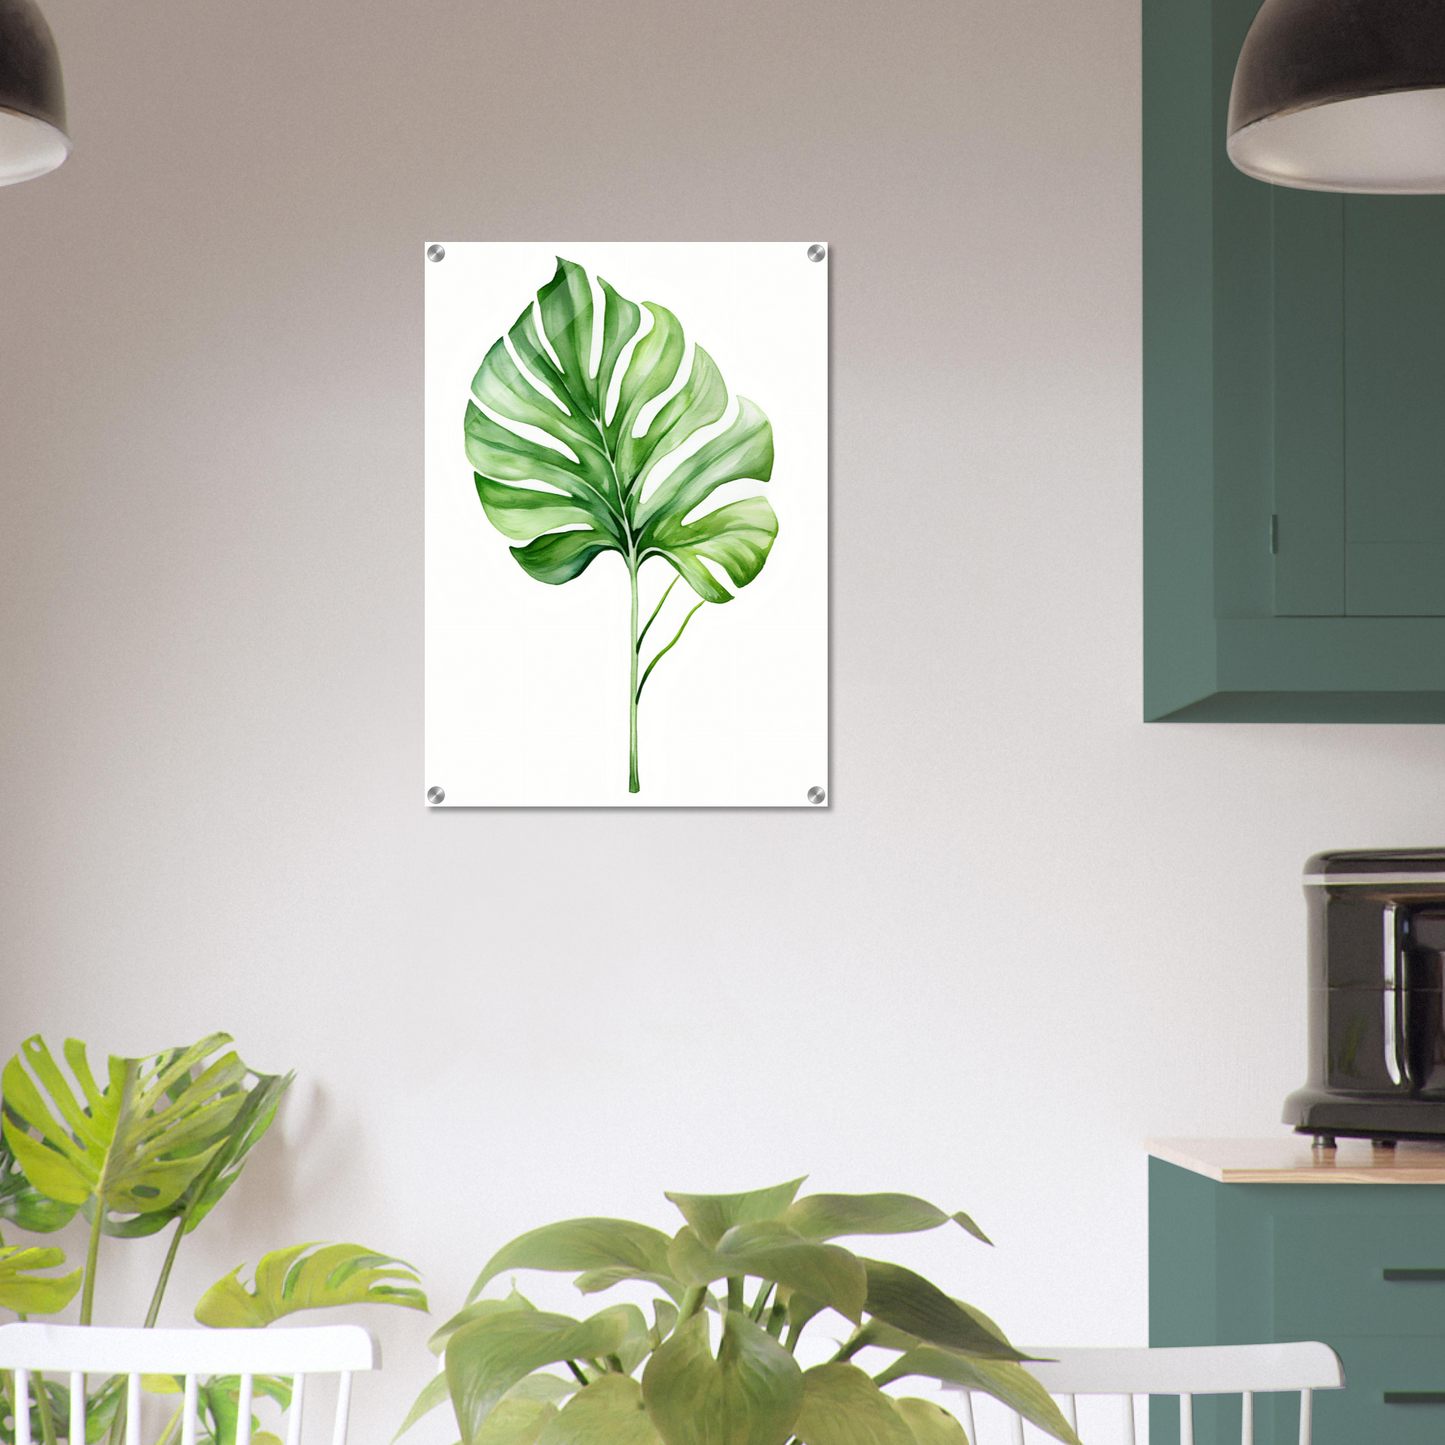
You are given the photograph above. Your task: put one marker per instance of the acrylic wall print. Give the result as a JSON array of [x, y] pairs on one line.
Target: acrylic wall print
[[607, 517]]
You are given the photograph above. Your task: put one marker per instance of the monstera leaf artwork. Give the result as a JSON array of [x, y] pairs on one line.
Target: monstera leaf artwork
[[599, 484]]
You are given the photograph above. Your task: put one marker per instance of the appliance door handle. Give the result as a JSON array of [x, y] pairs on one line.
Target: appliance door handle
[[1390, 999], [1415, 1397], [1436, 1276]]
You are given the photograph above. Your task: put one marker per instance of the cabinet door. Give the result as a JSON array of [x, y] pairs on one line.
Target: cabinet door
[[1294, 420], [1359, 389], [1394, 346]]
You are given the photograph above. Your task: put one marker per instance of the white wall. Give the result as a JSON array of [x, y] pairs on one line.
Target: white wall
[[1030, 932]]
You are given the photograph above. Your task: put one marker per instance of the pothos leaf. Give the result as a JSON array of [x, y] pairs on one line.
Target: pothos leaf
[[581, 1244], [750, 1394], [712, 1215], [906, 1300], [842, 1406], [487, 1356], [827, 1216], [294, 1279], [514, 1422], [930, 1424], [608, 1412], [1003, 1379]]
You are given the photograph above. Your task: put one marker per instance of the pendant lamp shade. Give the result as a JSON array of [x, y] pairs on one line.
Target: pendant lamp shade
[[1342, 95], [32, 96]]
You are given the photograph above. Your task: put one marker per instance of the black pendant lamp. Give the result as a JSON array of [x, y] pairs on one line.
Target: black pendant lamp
[[32, 96], [1342, 95]]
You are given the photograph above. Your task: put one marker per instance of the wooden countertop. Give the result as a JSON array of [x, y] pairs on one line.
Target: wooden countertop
[[1291, 1159]]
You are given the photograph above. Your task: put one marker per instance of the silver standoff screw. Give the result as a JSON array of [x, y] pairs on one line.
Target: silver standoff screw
[[436, 795], [816, 252], [817, 795], [435, 252]]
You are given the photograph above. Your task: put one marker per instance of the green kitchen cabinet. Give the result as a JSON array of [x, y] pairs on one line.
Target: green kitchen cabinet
[[1294, 420], [1359, 1265]]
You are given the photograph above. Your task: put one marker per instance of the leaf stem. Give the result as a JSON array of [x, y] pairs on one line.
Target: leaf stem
[[664, 652], [634, 691], [153, 1313], [172, 1427], [735, 1293], [762, 1299], [92, 1258], [573, 1366], [692, 1302], [641, 636], [42, 1401]]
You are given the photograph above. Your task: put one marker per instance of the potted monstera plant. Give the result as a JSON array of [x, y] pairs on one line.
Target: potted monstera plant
[[158, 1143], [752, 1272]]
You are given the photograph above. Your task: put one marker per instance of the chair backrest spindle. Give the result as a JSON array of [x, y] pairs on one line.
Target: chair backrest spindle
[[1183, 1372], [22, 1407], [33, 1350], [343, 1408], [190, 1408], [77, 1405], [298, 1404], [132, 1408], [243, 1410]]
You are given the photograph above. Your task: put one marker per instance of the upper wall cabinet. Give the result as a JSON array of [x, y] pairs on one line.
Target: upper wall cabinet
[[1294, 420]]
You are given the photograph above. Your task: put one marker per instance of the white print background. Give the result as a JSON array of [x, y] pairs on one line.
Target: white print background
[[526, 683]]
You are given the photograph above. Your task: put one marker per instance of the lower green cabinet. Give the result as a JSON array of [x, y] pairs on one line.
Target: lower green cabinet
[[1360, 1266]]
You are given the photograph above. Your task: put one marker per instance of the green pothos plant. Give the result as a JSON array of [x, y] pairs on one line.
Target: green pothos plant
[[762, 1264], [158, 1143], [595, 491]]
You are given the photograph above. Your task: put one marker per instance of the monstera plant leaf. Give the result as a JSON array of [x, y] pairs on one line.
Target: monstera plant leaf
[[132, 1146], [23, 1204], [598, 488], [294, 1279], [26, 1292], [222, 1169]]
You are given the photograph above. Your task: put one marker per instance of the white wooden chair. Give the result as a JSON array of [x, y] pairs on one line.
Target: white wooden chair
[[1188, 1371], [77, 1351]]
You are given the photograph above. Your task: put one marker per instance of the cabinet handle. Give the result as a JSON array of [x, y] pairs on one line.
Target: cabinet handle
[[1415, 1397], [1428, 1274]]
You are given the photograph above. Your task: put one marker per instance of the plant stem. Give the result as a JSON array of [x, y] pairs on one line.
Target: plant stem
[[642, 636], [172, 1426], [153, 1313], [633, 785], [42, 1401], [735, 1293], [762, 1299], [692, 1302], [664, 651], [572, 1365], [92, 1258]]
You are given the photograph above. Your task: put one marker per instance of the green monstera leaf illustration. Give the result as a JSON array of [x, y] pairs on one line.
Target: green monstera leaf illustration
[[600, 488]]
